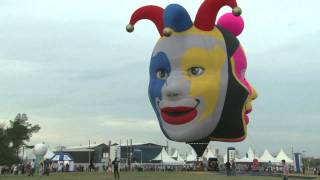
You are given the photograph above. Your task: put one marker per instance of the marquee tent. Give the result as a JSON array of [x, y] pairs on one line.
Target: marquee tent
[[62, 157], [177, 157], [192, 156], [164, 157], [250, 155], [266, 157], [209, 153], [283, 156]]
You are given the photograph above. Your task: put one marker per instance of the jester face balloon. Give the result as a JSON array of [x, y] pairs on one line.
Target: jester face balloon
[[197, 85]]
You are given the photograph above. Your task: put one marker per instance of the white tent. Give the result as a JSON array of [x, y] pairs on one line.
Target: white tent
[[209, 154], [63, 158], [164, 157], [283, 156], [266, 157], [192, 156], [175, 153], [177, 156], [250, 155]]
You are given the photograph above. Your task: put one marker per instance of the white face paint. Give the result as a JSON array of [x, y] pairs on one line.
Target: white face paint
[[180, 113]]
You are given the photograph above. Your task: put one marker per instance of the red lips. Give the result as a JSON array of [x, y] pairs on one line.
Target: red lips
[[178, 115]]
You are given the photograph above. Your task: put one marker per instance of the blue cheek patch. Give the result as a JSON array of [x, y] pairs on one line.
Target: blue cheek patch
[[159, 61]]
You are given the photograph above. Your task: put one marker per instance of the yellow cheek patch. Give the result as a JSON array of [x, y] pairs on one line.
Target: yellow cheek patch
[[206, 85]]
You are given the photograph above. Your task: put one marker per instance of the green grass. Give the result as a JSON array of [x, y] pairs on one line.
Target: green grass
[[144, 176]]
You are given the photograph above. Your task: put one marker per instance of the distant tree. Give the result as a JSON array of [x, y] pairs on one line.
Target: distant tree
[[61, 148], [14, 137], [2, 139], [311, 162]]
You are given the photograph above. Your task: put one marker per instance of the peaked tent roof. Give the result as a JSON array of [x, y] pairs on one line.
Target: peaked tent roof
[[180, 159], [250, 155], [283, 156], [192, 156], [175, 153], [176, 156], [266, 157], [62, 157], [164, 157], [209, 154]]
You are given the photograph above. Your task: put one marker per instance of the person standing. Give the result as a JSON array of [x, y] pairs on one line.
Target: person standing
[[15, 169], [285, 170], [46, 167], [269, 168], [116, 168], [109, 168], [228, 168], [233, 168], [67, 167], [32, 166], [41, 168]]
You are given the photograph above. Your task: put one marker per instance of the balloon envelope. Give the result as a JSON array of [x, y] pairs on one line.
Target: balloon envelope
[[40, 150], [197, 85]]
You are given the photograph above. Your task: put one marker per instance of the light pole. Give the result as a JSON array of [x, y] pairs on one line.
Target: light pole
[[303, 160], [141, 157], [89, 153]]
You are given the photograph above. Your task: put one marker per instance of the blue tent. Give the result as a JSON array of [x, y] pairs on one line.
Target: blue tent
[[62, 157]]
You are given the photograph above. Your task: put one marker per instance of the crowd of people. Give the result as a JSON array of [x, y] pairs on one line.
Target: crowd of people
[[265, 169], [17, 169], [316, 171], [44, 167], [28, 168]]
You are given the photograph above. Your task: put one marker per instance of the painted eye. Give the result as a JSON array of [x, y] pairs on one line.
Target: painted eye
[[195, 71], [162, 74]]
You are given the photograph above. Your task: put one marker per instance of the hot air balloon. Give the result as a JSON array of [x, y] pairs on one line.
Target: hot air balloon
[[39, 150], [197, 84]]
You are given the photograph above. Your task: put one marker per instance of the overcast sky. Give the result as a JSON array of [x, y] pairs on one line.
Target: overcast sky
[[72, 67]]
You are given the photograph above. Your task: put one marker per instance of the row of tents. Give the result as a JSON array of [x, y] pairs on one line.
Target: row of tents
[[266, 157]]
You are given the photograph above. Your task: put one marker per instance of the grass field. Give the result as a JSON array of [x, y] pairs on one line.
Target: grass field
[[146, 175]]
